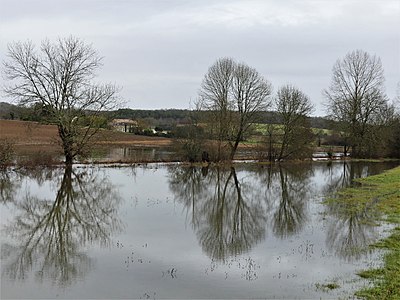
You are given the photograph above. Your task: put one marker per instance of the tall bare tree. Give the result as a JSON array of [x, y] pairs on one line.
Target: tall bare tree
[[59, 76], [293, 108], [215, 97], [234, 93], [356, 97]]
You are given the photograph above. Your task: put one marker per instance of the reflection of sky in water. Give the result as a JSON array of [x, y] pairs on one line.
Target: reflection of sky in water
[[158, 254]]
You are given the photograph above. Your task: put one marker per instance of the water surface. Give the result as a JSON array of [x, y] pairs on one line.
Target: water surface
[[167, 231]]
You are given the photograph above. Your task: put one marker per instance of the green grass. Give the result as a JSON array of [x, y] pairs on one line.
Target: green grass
[[262, 129], [383, 193]]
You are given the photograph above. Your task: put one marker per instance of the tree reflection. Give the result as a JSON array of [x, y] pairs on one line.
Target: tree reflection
[[350, 230], [8, 186], [287, 192], [226, 212], [50, 234], [342, 175], [188, 185], [289, 216]]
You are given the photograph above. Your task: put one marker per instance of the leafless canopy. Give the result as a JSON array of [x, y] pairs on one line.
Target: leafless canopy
[[292, 104], [59, 76], [293, 108], [356, 94], [234, 93]]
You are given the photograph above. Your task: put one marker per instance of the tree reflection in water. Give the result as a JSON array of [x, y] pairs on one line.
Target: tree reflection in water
[[350, 230], [287, 193], [226, 212], [50, 234], [8, 185], [289, 216], [347, 172], [342, 174], [230, 213]]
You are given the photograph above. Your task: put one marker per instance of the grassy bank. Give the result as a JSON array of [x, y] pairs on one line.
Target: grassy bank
[[382, 194]]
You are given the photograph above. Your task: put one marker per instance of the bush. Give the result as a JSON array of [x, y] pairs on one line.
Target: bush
[[7, 153], [38, 159], [189, 149]]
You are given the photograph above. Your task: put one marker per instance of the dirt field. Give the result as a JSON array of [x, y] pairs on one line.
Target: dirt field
[[34, 134], [35, 143]]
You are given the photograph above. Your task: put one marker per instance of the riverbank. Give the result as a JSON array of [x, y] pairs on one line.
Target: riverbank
[[380, 194]]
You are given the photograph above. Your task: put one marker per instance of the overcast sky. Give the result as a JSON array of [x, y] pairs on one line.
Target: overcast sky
[[158, 51]]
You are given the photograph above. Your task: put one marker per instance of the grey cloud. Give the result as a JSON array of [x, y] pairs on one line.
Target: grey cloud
[[160, 50]]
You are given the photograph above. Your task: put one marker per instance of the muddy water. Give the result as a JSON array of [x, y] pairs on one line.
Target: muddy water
[[166, 231]]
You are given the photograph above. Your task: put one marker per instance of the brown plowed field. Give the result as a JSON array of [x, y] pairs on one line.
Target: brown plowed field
[[23, 133]]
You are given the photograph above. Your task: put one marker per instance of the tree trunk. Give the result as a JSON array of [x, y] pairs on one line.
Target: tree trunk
[[69, 159], [67, 144], [233, 149]]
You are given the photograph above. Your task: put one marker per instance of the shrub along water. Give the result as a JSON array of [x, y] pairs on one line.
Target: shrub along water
[[7, 153]]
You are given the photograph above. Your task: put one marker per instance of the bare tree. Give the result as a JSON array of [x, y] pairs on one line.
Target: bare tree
[[215, 97], [356, 97], [293, 108], [59, 77], [250, 95], [234, 93]]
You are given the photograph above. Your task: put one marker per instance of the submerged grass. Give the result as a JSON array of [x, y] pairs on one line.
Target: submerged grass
[[382, 192], [327, 286]]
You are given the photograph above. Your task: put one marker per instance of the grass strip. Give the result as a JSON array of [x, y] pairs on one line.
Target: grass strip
[[382, 192]]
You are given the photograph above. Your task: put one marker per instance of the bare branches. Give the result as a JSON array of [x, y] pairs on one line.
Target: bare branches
[[234, 93], [293, 107], [356, 95], [356, 80], [292, 104], [215, 88], [59, 76], [250, 91]]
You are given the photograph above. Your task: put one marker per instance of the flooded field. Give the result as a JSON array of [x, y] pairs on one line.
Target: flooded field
[[168, 231], [133, 154]]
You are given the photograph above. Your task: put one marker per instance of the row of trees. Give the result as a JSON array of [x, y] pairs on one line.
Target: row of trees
[[235, 97], [59, 77]]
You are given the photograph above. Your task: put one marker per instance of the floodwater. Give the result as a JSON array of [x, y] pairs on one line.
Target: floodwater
[[149, 154], [168, 231], [133, 154]]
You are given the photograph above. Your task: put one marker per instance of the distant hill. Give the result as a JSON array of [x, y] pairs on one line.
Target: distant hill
[[10, 111], [6, 110], [164, 118]]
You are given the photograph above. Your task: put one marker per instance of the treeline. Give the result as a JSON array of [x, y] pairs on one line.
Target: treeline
[[165, 118], [234, 98], [183, 116], [179, 124], [235, 104]]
